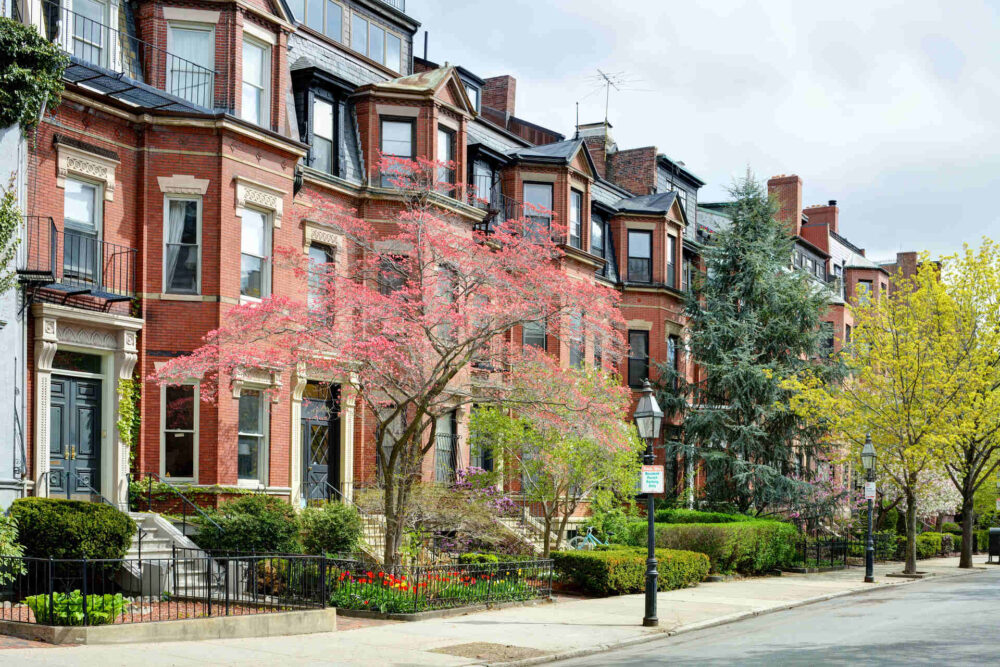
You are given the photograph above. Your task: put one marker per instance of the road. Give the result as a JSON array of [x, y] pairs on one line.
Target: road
[[951, 621]]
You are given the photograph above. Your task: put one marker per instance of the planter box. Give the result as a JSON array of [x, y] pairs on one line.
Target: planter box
[[439, 613]]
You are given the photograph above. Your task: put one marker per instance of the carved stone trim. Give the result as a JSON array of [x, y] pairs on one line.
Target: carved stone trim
[[259, 377], [253, 193], [314, 232], [640, 325], [72, 161], [182, 185]]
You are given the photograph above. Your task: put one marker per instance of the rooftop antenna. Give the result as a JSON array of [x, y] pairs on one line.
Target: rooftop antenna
[[610, 81], [425, 45], [577, 134]]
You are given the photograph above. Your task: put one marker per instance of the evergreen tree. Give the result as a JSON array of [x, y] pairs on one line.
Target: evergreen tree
[[753, 324]]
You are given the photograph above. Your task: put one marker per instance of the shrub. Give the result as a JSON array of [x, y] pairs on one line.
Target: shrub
[[253, 523], [478, 558], [10, 549], [67, 608], [333, 528], [951, 527], [50, 527], [949, 542], [983, 539], [490, 558], [694, 516], [928, 545], [622, 570], [747, 547]]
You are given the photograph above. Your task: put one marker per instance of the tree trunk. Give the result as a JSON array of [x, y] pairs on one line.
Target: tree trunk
[[546, 541], [911, 533], [965, 559]]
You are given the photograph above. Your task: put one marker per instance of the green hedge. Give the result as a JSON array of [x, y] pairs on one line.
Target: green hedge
[[490, 558], [255, 523], [747, 547], [50, 527], [983, 539], [951, 527], [694, 516], [333, 528], [621, 570], [928, 545]]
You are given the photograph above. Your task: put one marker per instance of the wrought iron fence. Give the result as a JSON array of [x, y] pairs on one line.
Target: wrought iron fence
[[185, 585], [355, 585]]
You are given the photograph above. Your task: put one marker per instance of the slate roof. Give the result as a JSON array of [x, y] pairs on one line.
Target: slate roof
[[656, 203], [561, 152]]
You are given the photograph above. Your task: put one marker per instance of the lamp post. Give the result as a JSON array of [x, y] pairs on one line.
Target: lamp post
[[868, 461], [648, 418]]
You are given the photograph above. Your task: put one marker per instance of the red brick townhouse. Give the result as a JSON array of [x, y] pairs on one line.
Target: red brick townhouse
[[194, 138]]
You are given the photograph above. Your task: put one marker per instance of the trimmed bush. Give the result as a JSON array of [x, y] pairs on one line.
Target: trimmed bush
[[983, 539], [694, 516], [747, 547], [928, 545], [50, 527], [622, 570], [464, 559], [951, 527], [251, 524], [333, 528]]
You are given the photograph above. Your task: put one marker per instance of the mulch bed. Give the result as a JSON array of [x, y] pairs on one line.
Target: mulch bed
[[145, 612]]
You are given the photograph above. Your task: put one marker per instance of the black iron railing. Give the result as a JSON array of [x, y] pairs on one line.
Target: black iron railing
[[76, 262], [447, 457], [187, 506], [93, 41]]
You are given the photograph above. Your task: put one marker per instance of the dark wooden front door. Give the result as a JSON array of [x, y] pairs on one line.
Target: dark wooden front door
[[321, 442], [75, 437]]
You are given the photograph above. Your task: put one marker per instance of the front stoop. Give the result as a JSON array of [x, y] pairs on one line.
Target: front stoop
[[277, 624]]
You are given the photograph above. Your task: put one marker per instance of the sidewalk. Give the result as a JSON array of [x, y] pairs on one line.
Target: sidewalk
[[523, 634]]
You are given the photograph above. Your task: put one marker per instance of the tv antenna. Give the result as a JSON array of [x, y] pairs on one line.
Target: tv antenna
[[612, 80]]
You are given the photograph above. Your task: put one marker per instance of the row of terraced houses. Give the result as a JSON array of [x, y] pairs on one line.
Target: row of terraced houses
[[196, 136]]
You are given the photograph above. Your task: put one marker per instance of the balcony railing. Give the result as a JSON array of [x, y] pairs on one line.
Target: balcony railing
[[120, 65], [72, 263], [396, 4], [447, 458]]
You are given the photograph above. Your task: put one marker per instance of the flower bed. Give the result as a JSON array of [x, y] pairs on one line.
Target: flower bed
[[408, 590], [148, 611]]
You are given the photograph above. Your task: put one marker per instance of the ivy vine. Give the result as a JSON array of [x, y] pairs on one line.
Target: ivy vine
[[31, 70], [128, 415], [10, 222]]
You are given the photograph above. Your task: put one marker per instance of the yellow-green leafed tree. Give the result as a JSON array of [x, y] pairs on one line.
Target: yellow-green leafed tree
[[909, 370]]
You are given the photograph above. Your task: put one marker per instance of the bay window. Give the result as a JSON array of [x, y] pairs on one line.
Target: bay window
[[252, 439], [196, 43], [576, 218], [256, 82], [640, 256], [182, 249], [397, 140], [446, 156], [538, 205], [255, 245], [179, 437], [638, 357], [671, 261]]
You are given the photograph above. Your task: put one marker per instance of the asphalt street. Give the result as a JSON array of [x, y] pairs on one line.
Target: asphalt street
[[949, 621]]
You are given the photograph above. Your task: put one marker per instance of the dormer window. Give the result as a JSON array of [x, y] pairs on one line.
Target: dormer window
[[322, 144], [377, 43], [473, 93], [324, 16]]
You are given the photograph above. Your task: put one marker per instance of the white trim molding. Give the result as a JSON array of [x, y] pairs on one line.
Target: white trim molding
[[182, 185], [256, 194], [314, 232], [75, 162], [256, 378], [190, 15]]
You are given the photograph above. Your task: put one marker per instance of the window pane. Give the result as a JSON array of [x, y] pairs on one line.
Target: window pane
[[182, 221], [314, 17], [298, 8], [178, 454], [473, 94], [322, 154], [252, 241], [538, 194], [376, 43], [639, 244], [334, 21], [80, 204], [575, 219], [251, 276], [397, 138], [393, 51], [637, 344], [182, 268], [534, 334], [359, 34], [248, 457], [250, 108], [179, 408], [76, 361], [596, 236], [250, 400], [253, 64], [445, 153]]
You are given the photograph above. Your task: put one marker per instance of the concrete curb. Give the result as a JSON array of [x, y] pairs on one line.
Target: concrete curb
[[711, 623]]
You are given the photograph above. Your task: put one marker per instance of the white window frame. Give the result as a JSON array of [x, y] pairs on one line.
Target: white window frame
[[98, 203], [166, 226], [164, 431], [264, 117], [265, 279], [264, 449], [318, 99], [203, 27]]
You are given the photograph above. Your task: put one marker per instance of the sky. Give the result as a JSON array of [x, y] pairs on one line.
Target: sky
[[891, 108]]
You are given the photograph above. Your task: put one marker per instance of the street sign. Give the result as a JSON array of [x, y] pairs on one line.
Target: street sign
[[651, 479], [869, 490]]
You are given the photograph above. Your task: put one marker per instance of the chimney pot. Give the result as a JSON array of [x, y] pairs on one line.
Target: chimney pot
[[832, 202]]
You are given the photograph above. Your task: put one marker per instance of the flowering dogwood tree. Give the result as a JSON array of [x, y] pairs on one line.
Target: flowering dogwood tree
[[419, 312]]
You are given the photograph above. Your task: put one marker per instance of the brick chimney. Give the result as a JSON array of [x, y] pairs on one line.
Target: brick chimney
[[498, 93], [597, 136], [827, 214], [788, 191]]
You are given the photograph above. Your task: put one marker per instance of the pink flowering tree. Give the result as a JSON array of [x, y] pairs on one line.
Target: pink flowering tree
[[421, 313]]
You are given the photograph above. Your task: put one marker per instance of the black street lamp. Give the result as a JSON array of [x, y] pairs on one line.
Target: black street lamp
[[868, 461], [648, 418]]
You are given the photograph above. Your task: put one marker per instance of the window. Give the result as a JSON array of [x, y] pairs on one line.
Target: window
[[686, 274], [640, 257], [446, 449], [320, 259], [310, 12], [596, 234], [674, 359], [180, 431], [847, 334], [883, 288], [533, 333], [864, 291], [88, 30], [446, 155], [473, 93], [255, 245], [322, 143], [82, 219], [838, 278], [252, 438], [375, 42], [256, 66], [392, 274], [539, 213], [397, 141], [826, 339], [576, 345], [638, 357], [484, 181], [598, 353], [576, 218], [191, 77], [671, 261], [181, 262]]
